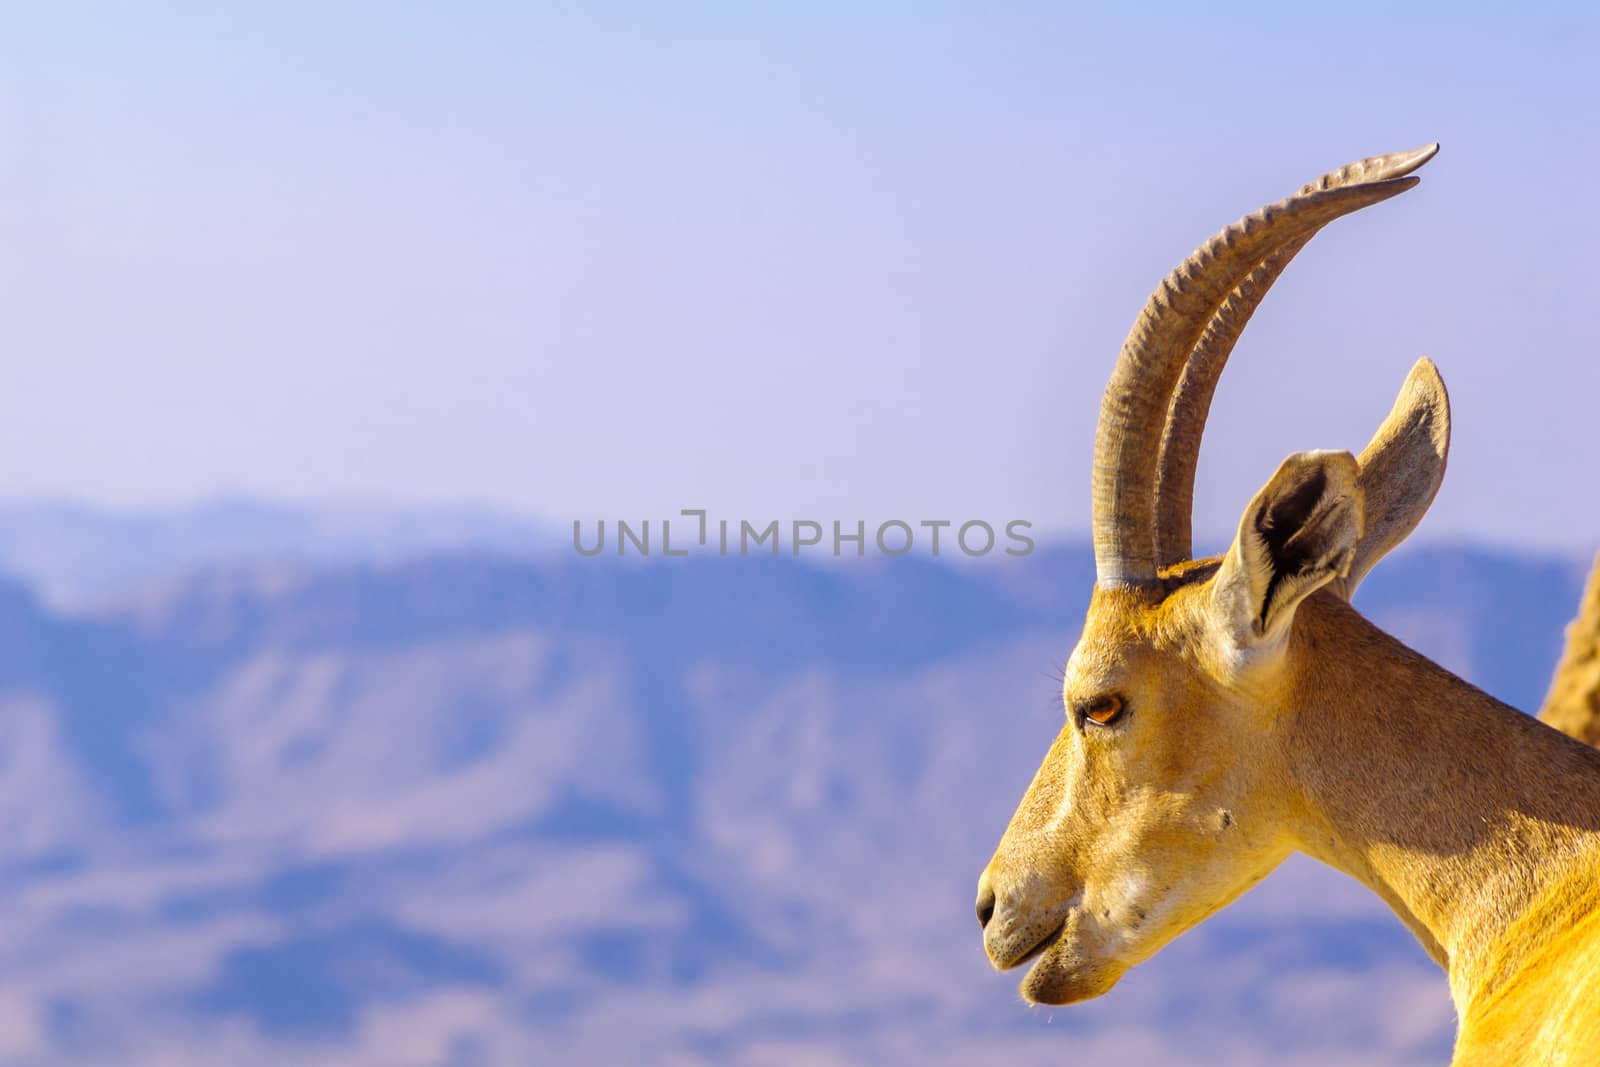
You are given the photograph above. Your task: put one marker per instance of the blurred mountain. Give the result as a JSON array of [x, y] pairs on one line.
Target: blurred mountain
[[74, 555], [469, 810]]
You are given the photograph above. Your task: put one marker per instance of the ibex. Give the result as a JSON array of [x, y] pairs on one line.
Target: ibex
[[1573, 703], [1222, 713]]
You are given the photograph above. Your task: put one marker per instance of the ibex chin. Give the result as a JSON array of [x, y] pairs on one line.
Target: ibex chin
[[1223, 713]]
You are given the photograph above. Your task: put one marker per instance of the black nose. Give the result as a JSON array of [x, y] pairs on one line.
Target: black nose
[[985, 905]]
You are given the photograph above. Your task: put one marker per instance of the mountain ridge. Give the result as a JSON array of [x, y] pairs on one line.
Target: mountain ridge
[[470, 808]]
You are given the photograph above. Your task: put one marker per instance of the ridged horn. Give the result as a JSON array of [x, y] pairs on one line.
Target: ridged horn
[[1191, 401], [1134, 409]]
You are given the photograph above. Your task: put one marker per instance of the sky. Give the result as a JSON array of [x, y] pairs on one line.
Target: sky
[[821, 261]]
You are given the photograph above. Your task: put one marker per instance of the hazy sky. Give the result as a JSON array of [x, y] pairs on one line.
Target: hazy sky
[[584, 260]]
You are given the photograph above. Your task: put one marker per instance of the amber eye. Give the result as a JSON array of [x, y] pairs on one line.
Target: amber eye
[[1104, 710]]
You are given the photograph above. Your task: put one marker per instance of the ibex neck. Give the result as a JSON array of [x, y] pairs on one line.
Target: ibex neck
[[1467, 816]]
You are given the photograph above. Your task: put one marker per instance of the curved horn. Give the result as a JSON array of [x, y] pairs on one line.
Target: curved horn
[[1134, 410], [1191, 402]]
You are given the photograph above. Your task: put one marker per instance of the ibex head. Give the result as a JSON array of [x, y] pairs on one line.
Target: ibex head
[[1166, 794]]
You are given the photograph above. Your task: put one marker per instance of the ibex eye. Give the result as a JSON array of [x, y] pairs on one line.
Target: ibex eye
[[1104, 710]]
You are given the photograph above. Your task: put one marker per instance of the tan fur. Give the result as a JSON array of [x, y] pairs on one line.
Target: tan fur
[[1479, 826], [1573, 703], [1262, 715]]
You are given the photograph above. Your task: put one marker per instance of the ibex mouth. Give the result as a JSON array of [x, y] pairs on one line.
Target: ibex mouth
[[1038, 950]]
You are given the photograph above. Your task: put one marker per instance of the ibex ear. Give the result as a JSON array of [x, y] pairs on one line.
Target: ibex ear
[[1297, 535], [1401, 469]]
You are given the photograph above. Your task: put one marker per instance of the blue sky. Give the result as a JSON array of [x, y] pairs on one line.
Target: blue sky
[[818, 262]]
